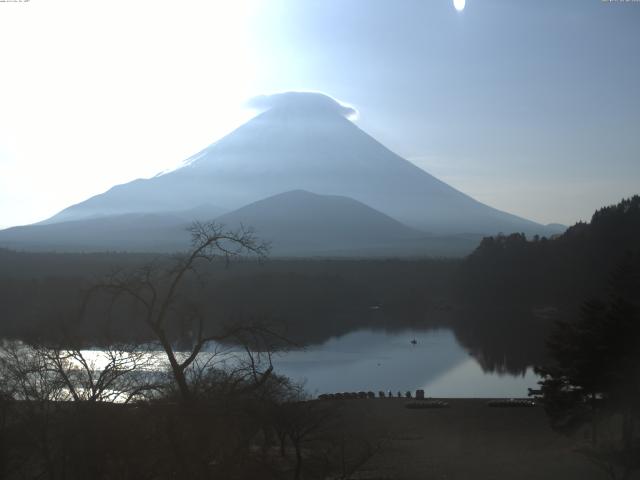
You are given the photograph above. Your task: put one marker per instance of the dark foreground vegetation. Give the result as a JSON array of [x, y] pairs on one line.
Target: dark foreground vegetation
[[366, 439], [231, 427], [594, 380]]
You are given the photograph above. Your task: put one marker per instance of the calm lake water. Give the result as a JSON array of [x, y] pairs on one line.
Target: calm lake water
[[379, 360], [374, 360]]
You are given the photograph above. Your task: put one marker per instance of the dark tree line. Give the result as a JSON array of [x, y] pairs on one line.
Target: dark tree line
[[311, 299], [561, 271]]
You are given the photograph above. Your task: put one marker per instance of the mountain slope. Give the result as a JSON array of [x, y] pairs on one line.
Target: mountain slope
[[295, 223], [300, 222], [133, 232], [304, 141]]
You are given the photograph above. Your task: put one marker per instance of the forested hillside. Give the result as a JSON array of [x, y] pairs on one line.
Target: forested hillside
[[562, 270]]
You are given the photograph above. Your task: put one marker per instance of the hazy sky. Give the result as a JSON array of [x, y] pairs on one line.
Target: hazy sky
[[531, 106]]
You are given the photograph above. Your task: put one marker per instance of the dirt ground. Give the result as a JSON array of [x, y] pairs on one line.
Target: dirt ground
[[467, 440]]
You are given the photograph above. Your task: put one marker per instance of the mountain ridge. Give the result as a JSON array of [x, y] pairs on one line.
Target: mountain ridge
[[292, 146], [310, 225]]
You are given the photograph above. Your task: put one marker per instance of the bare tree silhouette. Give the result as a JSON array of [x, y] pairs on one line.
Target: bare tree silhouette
[[161, 293]]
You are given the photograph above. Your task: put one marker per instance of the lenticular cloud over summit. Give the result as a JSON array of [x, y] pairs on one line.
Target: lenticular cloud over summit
[[310, 103]]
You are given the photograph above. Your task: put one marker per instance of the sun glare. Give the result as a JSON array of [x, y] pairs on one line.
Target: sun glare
[[459, 4], [173, 71]]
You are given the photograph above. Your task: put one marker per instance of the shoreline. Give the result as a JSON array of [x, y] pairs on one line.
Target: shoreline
[[467, 439]]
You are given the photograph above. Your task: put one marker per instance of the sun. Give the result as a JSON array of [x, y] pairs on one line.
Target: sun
[[459, 4]]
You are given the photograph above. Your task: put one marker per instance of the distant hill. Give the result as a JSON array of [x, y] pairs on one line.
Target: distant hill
[[303, 223], [300, 221]]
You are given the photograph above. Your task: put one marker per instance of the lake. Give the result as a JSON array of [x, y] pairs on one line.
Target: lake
[[376, 360]]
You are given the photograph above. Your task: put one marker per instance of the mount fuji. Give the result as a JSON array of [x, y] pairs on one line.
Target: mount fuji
[[300, 142]]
